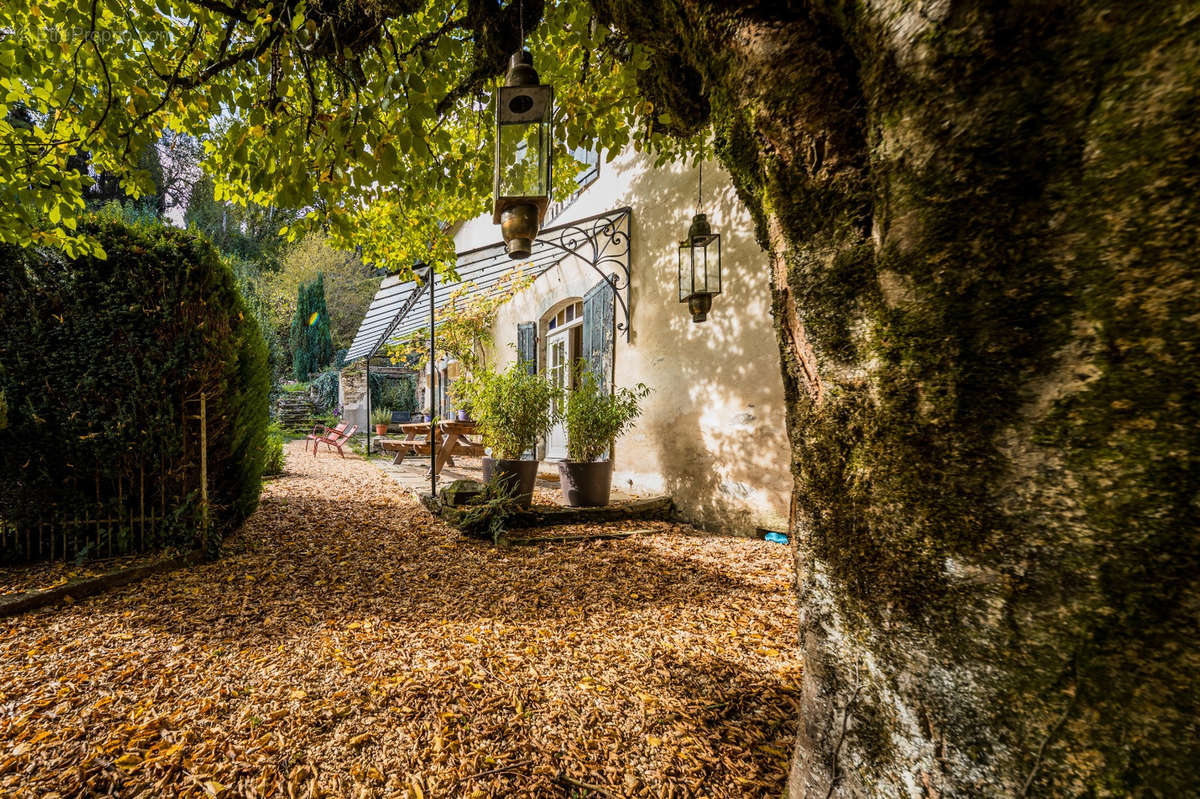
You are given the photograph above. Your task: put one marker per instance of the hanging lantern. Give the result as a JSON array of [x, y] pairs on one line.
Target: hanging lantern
[[699, 268], [699, 261], [524, 111]]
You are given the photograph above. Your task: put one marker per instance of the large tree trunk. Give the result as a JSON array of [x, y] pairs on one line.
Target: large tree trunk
[[983, 221]]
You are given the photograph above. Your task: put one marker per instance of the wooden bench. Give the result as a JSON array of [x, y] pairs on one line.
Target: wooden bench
[[453, 441]]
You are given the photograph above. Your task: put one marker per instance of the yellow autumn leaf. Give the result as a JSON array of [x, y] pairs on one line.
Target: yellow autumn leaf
[[128, 762], [298, 694], [214, 787]]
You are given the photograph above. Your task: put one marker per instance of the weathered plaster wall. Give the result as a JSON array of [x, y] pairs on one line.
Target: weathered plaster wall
[[713, 433]]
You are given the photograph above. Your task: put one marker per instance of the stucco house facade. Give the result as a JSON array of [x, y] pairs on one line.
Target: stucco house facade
[[712, 434]]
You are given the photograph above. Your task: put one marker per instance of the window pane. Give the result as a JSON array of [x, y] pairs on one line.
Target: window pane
[[524, 160]]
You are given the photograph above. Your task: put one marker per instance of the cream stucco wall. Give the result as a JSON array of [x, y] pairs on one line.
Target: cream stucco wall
[[713, 433]]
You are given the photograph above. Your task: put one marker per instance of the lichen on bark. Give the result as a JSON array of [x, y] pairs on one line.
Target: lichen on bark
[[982, 225]]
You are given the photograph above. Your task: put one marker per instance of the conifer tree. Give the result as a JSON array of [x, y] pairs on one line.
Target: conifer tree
[[312, 346]]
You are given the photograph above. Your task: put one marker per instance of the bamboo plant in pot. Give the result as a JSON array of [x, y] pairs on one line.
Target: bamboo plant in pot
[[381, 418], [594, 419], [513, 409]]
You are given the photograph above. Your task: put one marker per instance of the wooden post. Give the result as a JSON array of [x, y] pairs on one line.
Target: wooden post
[[162, 485], [142, 502], [204, 470], [120, 507], [432, 389]]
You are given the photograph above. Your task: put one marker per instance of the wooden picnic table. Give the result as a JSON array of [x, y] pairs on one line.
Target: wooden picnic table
[[452, 440]]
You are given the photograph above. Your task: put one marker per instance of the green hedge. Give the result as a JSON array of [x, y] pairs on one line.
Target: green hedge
[[100, 363]]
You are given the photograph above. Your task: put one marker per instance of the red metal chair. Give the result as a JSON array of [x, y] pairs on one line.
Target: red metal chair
[[319, 432], [335, 438]]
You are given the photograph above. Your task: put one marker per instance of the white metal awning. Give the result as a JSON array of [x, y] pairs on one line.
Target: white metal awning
[[398, 310]]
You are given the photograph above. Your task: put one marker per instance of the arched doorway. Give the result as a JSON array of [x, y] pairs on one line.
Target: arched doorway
[[562, 330]]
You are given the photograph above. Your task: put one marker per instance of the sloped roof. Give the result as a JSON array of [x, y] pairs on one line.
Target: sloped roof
[[401, 308]]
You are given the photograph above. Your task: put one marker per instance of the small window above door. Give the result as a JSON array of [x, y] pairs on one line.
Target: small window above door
[[570, 315]]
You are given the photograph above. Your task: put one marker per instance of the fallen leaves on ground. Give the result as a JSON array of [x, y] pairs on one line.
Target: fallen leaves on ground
[[40, 576], [349, 645]]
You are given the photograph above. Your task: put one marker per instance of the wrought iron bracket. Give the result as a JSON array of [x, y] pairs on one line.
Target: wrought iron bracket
[[602, 242]]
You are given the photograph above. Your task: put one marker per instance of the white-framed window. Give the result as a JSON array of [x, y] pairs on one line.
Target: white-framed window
[[572, 314]]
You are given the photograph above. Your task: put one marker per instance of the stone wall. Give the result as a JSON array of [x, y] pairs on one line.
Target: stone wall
[[352, 394]]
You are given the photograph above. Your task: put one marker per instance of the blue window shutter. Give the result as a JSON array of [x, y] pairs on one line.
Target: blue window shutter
[[598, 332], [527, 345]]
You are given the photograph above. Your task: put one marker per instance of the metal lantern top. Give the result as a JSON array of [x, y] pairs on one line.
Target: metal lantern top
[[524, 115]]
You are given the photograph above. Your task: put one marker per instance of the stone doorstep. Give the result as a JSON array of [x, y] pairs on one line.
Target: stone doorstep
[[13, 604]]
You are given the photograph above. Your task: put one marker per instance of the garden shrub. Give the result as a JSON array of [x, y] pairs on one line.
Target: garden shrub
[[397, 393], [273, 460], [101, 361], [324, 388]]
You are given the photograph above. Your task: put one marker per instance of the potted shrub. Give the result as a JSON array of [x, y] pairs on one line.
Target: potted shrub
[[513, 409], [381, 418], [460, 394], [594, 419]]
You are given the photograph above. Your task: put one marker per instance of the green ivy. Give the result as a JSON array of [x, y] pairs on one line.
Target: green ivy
[[324, 388]]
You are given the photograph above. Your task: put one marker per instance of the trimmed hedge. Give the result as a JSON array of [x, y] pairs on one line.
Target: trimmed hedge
[[99, 360]]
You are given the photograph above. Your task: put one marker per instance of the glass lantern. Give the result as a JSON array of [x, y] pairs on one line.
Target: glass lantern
[[699, 268], [524, 155]]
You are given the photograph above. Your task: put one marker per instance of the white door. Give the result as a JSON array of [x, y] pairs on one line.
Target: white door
[[558, 370]]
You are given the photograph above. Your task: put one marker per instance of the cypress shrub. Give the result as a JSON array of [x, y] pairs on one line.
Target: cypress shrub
[[312, 345], [101, 361]]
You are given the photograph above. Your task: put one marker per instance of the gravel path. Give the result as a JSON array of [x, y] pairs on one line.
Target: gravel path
[[348, 645]]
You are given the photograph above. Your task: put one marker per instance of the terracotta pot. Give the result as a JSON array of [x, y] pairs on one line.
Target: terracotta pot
[[520, 475], [381, 429], [585, 485]]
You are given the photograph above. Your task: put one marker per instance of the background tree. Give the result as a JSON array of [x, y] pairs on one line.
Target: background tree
[[349, 284], [249, 232], [312, 347]]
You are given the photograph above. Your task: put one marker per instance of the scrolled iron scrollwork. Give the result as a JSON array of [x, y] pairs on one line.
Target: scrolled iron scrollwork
[[603, 245]]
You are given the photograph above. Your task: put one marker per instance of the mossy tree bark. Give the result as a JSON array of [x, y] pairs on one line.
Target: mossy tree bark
[[982, 222]]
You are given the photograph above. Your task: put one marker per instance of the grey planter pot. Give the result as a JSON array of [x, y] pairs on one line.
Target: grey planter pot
[[585, 485], [519, 474]]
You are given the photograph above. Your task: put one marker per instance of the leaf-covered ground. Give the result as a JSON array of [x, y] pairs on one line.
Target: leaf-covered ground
[[348, 645]]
